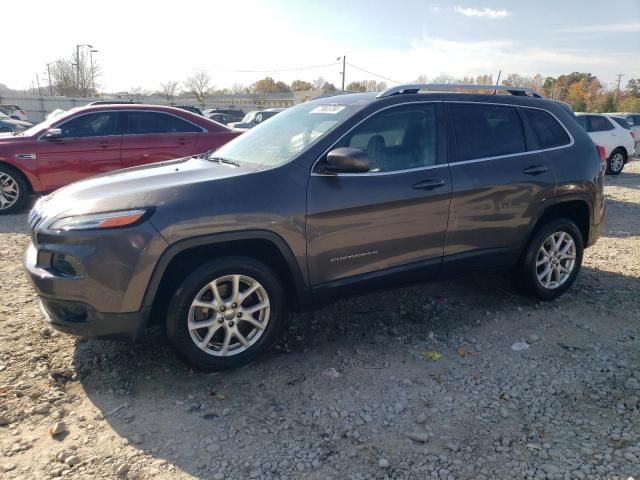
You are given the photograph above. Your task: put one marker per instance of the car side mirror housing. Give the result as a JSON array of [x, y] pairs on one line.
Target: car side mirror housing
[[347, 160], [53, 133]]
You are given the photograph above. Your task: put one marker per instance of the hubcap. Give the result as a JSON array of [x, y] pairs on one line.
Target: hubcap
[[617, 162], [556, 260], [9, 191], [229, 315]]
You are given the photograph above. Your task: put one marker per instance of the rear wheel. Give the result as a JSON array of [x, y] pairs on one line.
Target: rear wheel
[[226, 313], [13, 190], [552, 260], [616, 161]]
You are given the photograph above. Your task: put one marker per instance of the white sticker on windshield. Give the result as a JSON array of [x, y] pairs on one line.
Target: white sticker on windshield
[[328, 109]]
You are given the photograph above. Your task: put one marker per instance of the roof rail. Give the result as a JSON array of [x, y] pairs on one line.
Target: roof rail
[[415, 88]]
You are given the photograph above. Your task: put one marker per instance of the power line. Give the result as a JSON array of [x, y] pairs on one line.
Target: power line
[[374, 74], [293, 69]]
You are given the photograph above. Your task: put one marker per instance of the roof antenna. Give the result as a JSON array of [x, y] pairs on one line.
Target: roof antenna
[[497, 82]]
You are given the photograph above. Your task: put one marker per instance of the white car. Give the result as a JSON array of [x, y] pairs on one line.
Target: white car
[[618, 143], [14, 111], [634, 122]]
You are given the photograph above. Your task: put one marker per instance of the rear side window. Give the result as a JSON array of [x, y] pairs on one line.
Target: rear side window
[[547, 129], [623, 122], [483, 130], [142, 123], [599, 124]]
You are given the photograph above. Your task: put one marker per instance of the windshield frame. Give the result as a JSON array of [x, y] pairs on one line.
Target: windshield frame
[[47, 124]]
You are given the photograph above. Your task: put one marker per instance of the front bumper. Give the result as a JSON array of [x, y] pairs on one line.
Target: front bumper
[[82, 320]]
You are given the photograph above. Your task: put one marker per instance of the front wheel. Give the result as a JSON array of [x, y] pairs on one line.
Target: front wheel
[[13, 190], [552, 260], [226, 313], [615, 162]]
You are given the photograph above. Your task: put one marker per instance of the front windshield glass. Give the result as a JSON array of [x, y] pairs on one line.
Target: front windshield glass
[[249, 117], [47, 123], [285, 135]]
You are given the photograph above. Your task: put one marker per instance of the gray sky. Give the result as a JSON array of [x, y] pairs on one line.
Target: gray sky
[[143, 43]]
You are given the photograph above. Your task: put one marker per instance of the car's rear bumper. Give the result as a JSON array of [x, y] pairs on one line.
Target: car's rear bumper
[[82, 320]]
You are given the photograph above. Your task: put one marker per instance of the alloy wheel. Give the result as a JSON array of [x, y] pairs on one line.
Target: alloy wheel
[[229, 315], [556, 260], [617, 162], [9, 191]]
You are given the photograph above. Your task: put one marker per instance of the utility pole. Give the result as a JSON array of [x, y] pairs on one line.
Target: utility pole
[[344, 61], [93, 77], [615, 98], [78, 65], [49, 75]]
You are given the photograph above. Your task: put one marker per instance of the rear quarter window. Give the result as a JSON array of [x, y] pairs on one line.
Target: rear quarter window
[[546, 128], [599, 124]]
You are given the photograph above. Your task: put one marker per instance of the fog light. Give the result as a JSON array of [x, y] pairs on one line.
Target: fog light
[[65, 265]]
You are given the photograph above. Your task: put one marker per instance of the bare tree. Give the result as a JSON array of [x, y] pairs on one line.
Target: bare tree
[[75, 75], [168, 90], [138, 93], [199, 85]]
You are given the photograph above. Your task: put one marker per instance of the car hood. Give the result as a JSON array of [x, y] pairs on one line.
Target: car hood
[[146, 186]]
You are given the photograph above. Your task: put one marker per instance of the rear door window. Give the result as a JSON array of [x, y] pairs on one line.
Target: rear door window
[[547, 129], [483, 131], [599, 124], [144, 123]]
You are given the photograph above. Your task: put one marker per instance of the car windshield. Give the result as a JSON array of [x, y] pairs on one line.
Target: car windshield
[[248, 118], [284, 136], [3, 116]]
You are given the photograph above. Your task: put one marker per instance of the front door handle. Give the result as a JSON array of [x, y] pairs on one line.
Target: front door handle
[[183, 141], [107, 144], [536, 169], [429, 184]]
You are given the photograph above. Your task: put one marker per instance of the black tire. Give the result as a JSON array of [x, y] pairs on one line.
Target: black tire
[[9, 174], [615, 167], [526, 274], [179, 308]]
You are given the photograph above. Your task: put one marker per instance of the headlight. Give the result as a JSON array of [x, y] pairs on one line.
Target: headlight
[[100, 221]]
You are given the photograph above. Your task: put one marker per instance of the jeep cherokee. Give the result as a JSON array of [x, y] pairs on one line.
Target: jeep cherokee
[[329, 198]]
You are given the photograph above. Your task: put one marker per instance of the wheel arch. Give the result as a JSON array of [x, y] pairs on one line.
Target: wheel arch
[[578, 208], [185, 255]]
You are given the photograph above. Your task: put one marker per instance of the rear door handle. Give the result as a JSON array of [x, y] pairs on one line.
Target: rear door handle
[[107, 144], [536, 169], [183, 141], [429, 184]]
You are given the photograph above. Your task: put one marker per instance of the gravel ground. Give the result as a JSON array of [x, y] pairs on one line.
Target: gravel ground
[[415, 383]]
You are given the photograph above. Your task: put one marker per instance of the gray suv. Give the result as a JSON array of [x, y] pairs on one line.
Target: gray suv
[[332, 197]]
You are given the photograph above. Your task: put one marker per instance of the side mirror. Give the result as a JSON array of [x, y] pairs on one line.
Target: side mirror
[[347, 160], [53, 133]]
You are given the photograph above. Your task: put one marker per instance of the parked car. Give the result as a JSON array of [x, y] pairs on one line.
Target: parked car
[[222, 118], [330, 198], [89, 140], [190, 108], [234, 114], [8, 124], [255, 117], [634, 121], [618, 143], [14, 111]]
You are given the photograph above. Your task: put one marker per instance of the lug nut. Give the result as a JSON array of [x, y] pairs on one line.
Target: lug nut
[[223, 308], [234, 305], [221, 320], [239, 314], [231, 323]]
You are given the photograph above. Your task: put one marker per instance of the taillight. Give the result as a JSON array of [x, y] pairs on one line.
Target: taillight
[[601, 153]]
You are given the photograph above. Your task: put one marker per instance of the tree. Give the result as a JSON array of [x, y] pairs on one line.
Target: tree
[[74, 75], [168, 90], [199, 85], [269, 85], [328, 88], [319, 83], [366, 86], [633, 88], [138, 93], [301, 86]]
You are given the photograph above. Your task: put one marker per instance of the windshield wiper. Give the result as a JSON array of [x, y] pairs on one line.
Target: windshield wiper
[[224, 160]]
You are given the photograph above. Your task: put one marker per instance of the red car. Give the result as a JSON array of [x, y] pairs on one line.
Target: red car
[[89, 140]]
